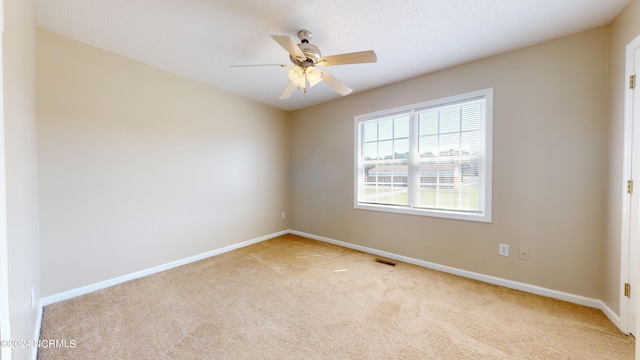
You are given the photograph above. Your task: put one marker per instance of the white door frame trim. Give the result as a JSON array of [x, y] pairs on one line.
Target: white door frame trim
[[626, 175]]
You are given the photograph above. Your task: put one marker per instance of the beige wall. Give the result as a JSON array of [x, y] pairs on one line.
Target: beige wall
[[550, 136], [624, 28], [21, 168], [139, 167]]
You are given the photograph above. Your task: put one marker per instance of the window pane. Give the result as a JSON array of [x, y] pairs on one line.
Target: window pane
[[401, 149], [469, 197], [469, 170], [471, 116], [447, 199], [401, 127], [470, 143], [400, 174], [453, 134], [370, 131], [370, 193], [428, 123], [429, 196], [386, 130], [383, 174], [428, 146], [400, 195], [449, 144], [385, 150], [450, 120], [371, 151]]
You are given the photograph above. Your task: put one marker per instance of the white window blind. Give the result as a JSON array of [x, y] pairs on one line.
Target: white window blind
[[432, 158]]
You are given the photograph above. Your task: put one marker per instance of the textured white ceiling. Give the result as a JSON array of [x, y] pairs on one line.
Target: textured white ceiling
[[201, 38]]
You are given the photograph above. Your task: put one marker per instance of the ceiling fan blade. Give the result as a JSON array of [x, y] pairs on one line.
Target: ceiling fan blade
[[350, 58], [335, 84], [288, 90], [288, 44], [281, 65]]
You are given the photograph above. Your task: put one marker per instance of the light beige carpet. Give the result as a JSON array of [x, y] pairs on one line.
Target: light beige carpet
[[295, 298]]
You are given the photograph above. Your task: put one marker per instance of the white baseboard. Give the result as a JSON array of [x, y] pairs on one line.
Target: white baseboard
[[533, 289], [611, 315], [48, 300]]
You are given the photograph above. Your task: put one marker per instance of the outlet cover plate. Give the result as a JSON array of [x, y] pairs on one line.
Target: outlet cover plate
[[503, 250]]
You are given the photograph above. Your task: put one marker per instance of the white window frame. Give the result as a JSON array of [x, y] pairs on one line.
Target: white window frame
[[486, 158]]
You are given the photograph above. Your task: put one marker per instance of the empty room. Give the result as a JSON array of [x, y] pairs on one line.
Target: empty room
[[218, 179]]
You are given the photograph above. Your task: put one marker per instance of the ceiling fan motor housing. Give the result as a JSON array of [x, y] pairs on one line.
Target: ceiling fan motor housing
[[310, 51]]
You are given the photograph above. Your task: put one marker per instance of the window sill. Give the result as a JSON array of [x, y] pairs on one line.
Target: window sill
[[453, 215]]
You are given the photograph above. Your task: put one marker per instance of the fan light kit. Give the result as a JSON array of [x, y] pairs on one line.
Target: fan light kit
[[305, 56]]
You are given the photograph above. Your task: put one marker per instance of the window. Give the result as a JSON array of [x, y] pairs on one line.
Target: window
[[432, 158]]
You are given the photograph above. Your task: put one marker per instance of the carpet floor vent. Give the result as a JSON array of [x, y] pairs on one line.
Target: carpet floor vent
[[386, 262]]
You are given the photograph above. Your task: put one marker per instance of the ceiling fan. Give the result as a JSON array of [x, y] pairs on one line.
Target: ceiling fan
[[304, 58]]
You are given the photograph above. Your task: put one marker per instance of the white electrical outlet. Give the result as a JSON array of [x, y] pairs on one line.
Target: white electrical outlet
[[284, 215], [503, 250]]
